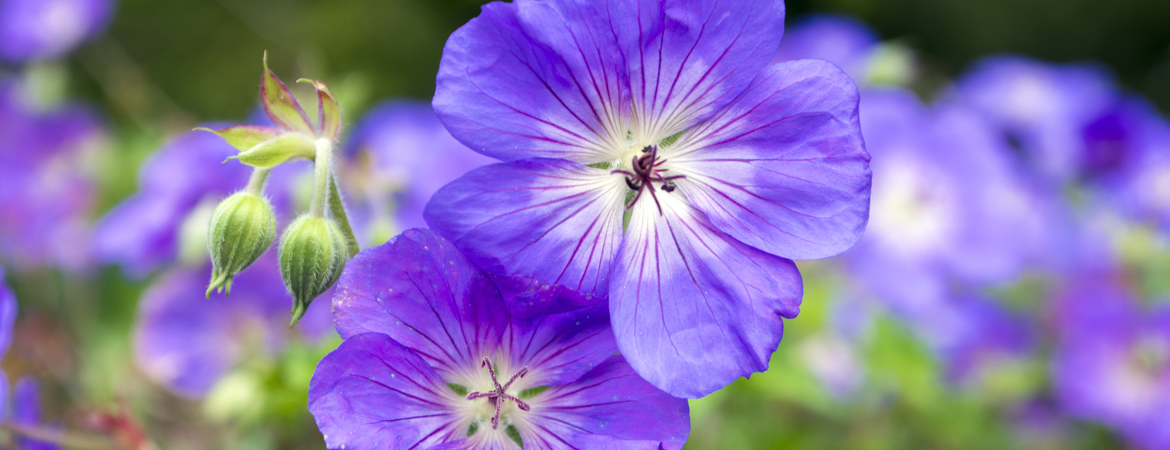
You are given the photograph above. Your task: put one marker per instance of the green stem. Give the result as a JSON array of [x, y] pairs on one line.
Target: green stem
[[57, 437], [321, 177], [337, 209], [257, 180]]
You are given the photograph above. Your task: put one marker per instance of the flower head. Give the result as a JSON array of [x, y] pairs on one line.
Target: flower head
[[438, 354], [1112, 364], [652, 155]]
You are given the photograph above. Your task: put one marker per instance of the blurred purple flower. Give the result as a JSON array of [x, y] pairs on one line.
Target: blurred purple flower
[[1141, 189], [46, 192], [397, 157], [45, 29], [1070, 122], [182, 181], [187, 343], [739, 166], [437, 354], [25, 398], [842, 40], [1112, 364], [948, 204]]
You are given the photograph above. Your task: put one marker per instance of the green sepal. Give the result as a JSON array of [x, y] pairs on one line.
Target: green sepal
[[312, 256], [241, 229], [277, 150], [244, 137], [280, 105], [328, 113]]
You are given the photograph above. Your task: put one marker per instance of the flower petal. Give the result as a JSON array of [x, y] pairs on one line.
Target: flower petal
[[373, 393], [693, 308], [553, 219], [608, 407], [7, 318], [556, 332], [690, 58], [419, 290], [529, 79], [784, 168]]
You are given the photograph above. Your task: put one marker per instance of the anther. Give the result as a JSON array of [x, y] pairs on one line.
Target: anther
[[645, 173]]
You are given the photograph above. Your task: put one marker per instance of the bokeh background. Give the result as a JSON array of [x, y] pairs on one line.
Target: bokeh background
[[916, 339]]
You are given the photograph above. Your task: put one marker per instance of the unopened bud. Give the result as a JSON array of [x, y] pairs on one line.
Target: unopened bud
[[312, 255], [241, 229]]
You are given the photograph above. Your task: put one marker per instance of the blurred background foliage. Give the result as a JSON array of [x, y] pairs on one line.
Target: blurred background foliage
[[196, 59]]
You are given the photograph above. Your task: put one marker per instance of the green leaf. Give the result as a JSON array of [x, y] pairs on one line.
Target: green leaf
[[244, 137], [277, 150], [328, 113], [280, 105]]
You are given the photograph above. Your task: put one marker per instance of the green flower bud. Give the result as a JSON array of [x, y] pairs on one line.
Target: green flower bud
[[312, 255], [241, 229]]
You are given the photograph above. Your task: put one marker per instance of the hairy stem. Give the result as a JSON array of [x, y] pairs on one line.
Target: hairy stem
[[257, 180], [58, 437], [322, 172], [337, 209]]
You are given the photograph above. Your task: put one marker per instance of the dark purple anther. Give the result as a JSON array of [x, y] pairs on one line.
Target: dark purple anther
[[500, 393], [646, 172]]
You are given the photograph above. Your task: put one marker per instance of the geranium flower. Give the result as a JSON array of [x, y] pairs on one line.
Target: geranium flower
[[653, 156], [437, 354]]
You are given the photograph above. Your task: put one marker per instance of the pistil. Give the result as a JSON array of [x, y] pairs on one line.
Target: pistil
[[645, 172], [499, 394]]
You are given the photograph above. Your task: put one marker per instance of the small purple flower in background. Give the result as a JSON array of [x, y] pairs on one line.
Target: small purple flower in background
[[948, 204], [842, 40], [652, 155], [45, 29], [437, 354], [1141, 191], [397, 157], [46, 190], [1069, 121], [187, 342], [1112, 364], [950, 216], [24, 398]]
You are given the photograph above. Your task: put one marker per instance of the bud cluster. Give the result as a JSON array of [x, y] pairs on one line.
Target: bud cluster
[[314, 248]]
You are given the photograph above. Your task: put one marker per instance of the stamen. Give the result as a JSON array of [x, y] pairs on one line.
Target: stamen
[[499, 394], [646, 172]]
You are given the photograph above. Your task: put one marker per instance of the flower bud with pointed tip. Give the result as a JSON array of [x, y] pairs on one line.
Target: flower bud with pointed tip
[[241, 229], [312, 256]]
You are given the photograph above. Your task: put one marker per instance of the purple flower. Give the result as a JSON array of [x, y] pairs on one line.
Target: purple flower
[[437, 354], [653, 156], [24, 399], [842, 40], [187, 342], [43, 29], [1141, 188], [948, 204], [1113, 361], [179, 185], [1069, 121], [46, 190], [398, 156]]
